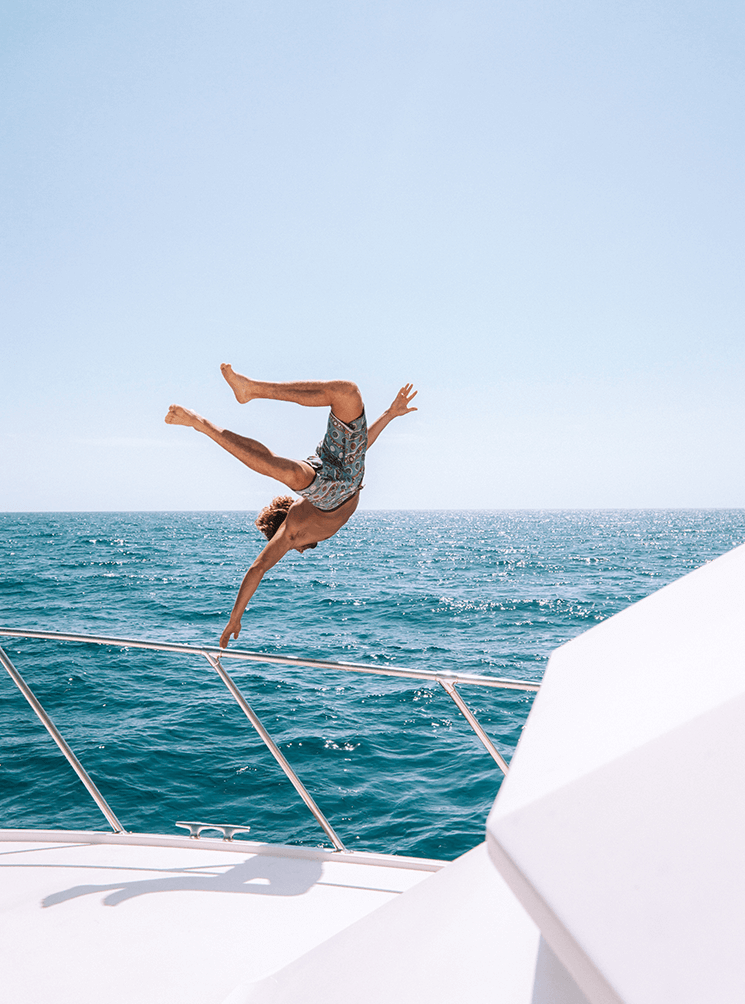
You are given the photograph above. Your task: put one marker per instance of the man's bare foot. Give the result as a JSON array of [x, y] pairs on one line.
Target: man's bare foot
[[242, 387], [183, 416]]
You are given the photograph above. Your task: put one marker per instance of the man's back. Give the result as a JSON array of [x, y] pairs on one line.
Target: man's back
[[309, 525]]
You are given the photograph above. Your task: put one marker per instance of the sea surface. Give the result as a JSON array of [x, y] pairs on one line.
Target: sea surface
[[392, 763]]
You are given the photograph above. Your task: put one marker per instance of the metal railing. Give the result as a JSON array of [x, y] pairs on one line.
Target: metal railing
[[448, 681]]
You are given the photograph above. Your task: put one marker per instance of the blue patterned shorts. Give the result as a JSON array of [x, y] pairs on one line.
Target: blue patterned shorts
[[339, 463]]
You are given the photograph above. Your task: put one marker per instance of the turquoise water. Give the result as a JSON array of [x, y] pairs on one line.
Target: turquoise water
[[392, 764]]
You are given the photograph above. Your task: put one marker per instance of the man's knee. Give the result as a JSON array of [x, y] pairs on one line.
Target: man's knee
[[346, 387], [347, 404]]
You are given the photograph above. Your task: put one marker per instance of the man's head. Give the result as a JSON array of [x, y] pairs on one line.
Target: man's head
[[272, 516]]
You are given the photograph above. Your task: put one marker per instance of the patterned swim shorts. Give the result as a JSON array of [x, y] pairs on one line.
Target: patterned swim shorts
[[339, 463]]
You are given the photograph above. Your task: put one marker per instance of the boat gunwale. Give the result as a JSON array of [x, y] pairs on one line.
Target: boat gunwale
[[240, 846]]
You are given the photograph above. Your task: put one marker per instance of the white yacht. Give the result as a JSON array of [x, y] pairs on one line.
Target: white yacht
[[611, 869]]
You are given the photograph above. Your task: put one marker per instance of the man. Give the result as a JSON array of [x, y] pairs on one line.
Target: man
[[328, 482]]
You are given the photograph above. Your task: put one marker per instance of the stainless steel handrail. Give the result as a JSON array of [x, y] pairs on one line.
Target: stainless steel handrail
[[281, 660], [448, 681], [51, 728]]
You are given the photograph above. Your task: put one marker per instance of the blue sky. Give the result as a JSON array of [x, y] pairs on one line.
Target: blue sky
[[532, 210]]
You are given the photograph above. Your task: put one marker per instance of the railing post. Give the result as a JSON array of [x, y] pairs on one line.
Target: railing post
[[275, 751], [472, 721], [51, 728]]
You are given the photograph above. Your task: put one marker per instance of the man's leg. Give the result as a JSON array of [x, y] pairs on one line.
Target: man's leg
[[296, 474], [342, 396]]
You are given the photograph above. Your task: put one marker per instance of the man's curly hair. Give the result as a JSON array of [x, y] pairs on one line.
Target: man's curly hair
[[272, 516]]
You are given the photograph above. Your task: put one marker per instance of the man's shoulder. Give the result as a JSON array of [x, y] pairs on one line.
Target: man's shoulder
[[300, 512]]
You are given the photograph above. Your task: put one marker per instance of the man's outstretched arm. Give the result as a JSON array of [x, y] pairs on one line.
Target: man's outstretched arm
[[400, 406], [274, 551]]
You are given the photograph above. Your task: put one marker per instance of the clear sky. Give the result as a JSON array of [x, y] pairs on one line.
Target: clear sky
[[531, 209]]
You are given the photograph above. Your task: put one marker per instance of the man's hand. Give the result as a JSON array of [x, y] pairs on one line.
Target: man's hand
[[401, 406], [233, 628], [402, 401]]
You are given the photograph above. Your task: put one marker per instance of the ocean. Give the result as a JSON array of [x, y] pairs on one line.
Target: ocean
[[391, 763]]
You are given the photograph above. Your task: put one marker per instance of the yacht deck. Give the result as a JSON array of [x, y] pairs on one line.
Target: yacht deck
[[126, 917]]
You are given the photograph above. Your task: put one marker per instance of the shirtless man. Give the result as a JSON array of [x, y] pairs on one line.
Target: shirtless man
[[329, 482]]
